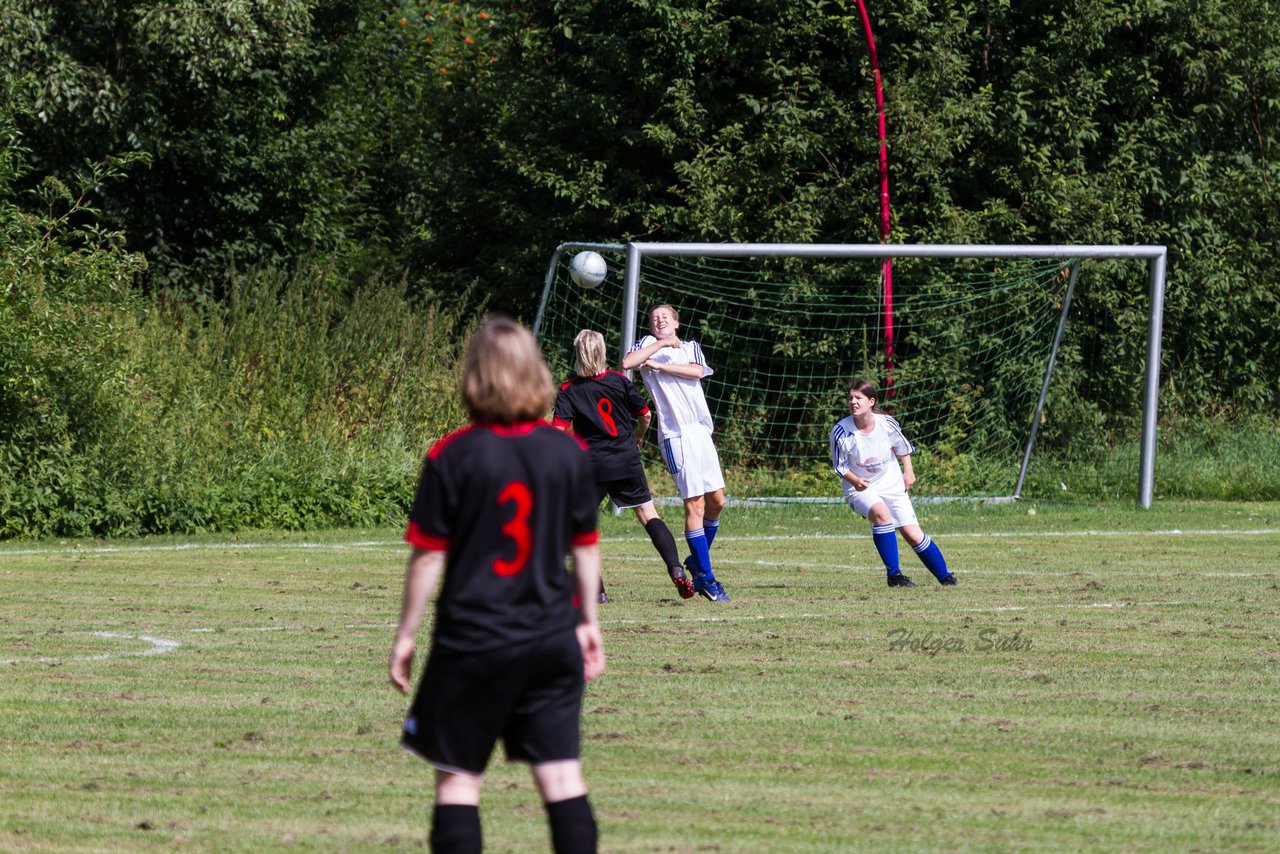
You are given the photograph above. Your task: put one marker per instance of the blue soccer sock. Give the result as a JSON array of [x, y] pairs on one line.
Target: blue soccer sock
[[886, 539], [710, 527], [931, 556], [697, 541]]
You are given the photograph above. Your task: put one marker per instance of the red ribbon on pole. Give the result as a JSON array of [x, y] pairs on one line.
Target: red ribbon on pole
[[886, 273]]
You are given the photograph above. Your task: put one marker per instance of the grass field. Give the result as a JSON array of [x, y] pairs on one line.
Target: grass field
[[1102, 679]]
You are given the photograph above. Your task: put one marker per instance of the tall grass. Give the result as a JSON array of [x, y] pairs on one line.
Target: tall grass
[[284, 405], [1196, 457]]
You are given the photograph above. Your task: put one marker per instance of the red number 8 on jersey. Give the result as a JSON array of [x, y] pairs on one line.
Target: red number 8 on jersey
[[605, 407], [517, 529]]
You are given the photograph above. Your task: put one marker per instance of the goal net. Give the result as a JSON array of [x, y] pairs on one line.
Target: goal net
[[983, 362]]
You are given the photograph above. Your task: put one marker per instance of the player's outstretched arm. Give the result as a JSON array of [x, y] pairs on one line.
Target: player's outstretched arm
[[586, 577], [420, 578]]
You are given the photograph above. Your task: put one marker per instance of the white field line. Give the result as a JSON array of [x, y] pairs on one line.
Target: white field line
[[1239, 574], [792, 563], [202, 547], [382, 544], [986, 535], [1090, 606], [157, 646], [161, 646]]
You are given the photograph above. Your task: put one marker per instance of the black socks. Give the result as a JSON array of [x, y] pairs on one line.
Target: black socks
[[573, 826], [455, 829], [660, 534]]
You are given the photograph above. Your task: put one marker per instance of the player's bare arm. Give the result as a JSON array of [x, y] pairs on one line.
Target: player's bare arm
[[420, 578], [689, 372], [636, 358], [586, 577], [642, 427], [859, 483]]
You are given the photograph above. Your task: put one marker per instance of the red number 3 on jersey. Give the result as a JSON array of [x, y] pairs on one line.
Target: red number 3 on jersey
[[517, 529]]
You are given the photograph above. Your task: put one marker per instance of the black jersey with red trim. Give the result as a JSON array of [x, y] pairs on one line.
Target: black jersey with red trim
[[603, 411], [506, 504]]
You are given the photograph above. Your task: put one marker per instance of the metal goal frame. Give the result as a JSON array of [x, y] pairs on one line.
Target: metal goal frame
[[1155, 256]]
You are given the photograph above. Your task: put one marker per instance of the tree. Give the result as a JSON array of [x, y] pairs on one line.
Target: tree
[[463, 141], [233, 103], [1106, 122]]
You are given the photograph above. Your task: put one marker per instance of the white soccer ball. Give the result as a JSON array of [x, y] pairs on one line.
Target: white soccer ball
[[588, 269]]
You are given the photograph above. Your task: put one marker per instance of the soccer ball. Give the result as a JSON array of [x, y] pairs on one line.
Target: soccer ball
[[587, 269]]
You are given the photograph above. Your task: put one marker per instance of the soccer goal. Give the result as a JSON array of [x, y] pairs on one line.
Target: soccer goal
[[988, 352]]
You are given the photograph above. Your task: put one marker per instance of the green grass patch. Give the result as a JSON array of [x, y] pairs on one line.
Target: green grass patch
[[1103, 678]]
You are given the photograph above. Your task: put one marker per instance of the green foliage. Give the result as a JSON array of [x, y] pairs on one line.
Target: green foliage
[[290, 404], [460, 141], [1198, 456], [1100, 122], [259, 147], [67, 308], [727, 121], [1089, 122], [281, 407], [456, 143]]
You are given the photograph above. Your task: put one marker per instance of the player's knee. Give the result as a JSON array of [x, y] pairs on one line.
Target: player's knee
[[457, 788], [646, 512], [558, 781], [694, 510]]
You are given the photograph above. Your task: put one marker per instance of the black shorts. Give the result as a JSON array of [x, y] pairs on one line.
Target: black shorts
[[529, 695], [629, 491]]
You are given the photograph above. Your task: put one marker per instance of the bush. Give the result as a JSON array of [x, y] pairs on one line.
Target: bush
[[68, 303], [295, 402], [283, 406]]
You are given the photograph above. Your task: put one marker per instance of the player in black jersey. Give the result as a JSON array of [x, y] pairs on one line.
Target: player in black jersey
[[605, 410], [500, 505]]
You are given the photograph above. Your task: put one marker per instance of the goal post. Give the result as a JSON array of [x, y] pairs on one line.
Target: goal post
[[1041, 295]]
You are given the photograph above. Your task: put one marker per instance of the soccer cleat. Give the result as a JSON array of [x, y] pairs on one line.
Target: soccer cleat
[[949, 581], [900, 580], [682, 582], [604, 598], [712, 590]]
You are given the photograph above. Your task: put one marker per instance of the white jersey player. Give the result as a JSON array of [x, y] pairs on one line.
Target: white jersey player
[[872, 457], [672, 371]]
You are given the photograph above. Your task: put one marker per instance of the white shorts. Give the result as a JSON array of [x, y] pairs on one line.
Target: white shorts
[[899, 504], [692, 460]]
